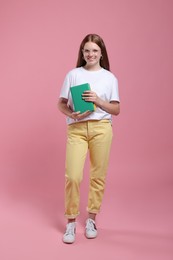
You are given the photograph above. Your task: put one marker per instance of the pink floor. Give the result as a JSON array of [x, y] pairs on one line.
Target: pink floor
[[134, 228]]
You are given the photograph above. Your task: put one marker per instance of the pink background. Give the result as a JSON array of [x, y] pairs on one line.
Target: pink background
[[39, 41]]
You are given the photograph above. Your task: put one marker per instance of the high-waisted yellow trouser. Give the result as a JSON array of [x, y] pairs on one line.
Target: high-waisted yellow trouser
[[95, 136]]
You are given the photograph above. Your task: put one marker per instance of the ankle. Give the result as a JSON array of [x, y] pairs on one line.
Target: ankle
[[92, 216], [71, 220]]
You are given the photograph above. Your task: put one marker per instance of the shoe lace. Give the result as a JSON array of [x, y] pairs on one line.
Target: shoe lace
[[70, 229], [90, 225]]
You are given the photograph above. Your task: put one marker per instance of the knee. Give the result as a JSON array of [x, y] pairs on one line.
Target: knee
[[72, 179], [97, 183]]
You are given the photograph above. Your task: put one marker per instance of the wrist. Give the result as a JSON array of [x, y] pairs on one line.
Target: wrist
[[71, 115], [100, 104]]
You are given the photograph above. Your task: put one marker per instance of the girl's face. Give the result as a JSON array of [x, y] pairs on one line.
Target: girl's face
[[92, 55]]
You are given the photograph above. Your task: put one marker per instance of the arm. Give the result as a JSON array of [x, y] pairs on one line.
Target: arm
[[62, 106], [112, 107]]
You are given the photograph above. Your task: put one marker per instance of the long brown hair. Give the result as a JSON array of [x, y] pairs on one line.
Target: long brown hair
[[104, 61]]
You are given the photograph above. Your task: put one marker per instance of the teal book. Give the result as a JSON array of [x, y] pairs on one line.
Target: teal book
[[79, 103]]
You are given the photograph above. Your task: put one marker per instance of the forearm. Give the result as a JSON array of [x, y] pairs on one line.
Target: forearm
[[112, 108], [62, 106]]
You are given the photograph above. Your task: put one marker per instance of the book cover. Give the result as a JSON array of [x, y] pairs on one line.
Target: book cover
[[79, 103]]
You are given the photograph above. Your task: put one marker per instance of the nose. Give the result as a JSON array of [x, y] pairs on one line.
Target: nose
[[90, 53]]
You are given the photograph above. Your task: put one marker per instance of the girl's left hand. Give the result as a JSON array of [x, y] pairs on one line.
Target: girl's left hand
[[90, 96]]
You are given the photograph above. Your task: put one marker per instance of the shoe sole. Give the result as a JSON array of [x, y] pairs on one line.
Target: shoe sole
[[69, 242], [90, 237]]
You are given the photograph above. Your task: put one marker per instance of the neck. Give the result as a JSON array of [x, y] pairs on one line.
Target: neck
[[92, 68]]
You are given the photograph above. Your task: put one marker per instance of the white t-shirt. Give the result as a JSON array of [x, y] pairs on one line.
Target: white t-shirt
[[102, 81]]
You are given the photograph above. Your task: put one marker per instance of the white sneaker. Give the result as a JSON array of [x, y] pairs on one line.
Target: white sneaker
[[90, 229], [69, 235]]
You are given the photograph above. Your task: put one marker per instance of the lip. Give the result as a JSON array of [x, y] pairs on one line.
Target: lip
[[90, 59]]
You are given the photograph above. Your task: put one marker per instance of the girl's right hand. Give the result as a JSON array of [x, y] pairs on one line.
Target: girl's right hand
[[79, 116]]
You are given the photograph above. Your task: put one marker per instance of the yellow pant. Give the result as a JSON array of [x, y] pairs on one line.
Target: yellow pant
[[95, 136]]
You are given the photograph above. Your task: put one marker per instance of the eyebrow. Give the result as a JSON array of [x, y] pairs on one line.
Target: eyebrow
[[91, 49]]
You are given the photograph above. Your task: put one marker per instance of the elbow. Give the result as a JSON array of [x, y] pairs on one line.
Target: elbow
[[61, 103], [117, 113], [117, 110]]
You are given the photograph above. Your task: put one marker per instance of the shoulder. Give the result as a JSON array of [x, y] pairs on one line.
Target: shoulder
[[74, 72], [109, 74]]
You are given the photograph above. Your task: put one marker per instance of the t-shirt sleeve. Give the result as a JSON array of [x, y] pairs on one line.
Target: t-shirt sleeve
[[115, 91]]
